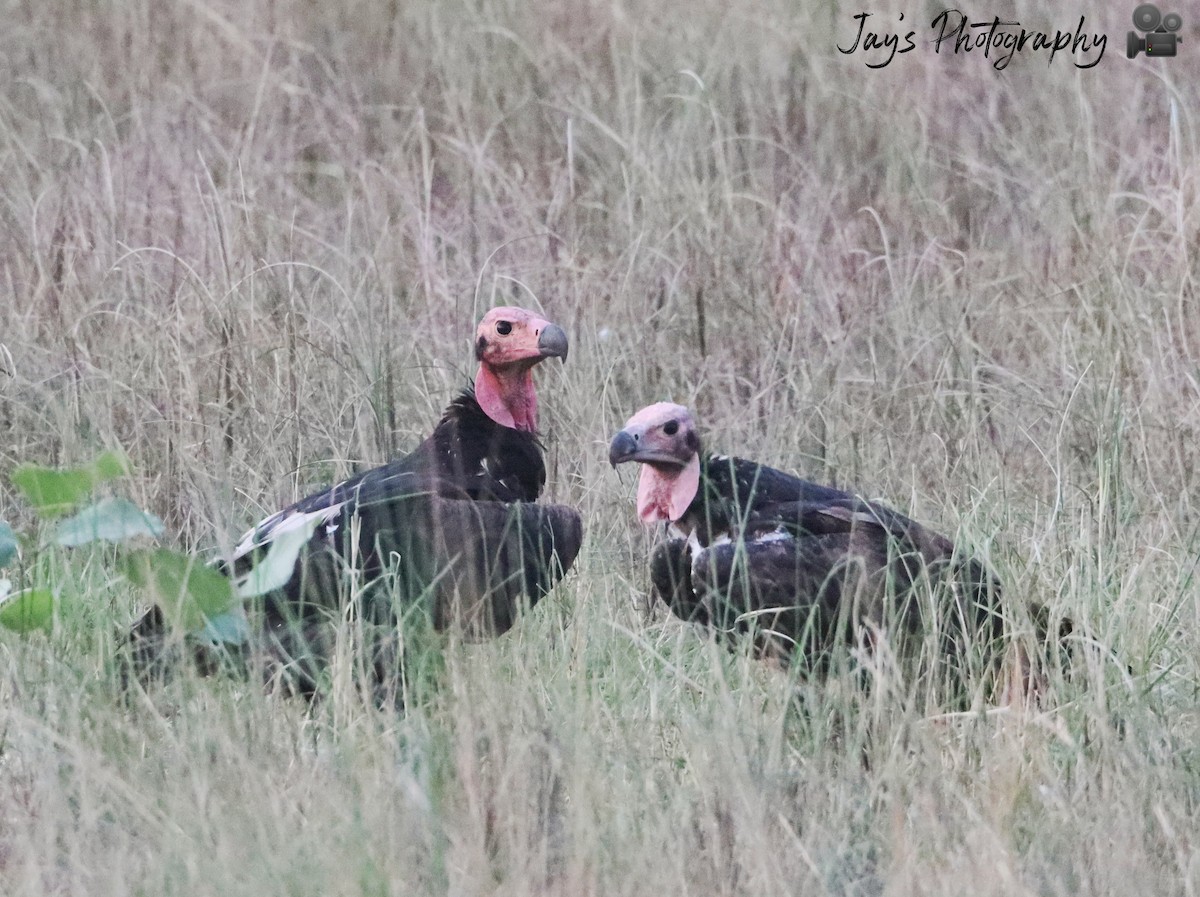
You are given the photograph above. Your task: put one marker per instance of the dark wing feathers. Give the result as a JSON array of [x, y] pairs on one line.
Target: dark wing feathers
[[489, 560], [793, 594], [334, 507], [671, 577], [750, 483], [451, 530], [803, 566], [454, 520], [474, 564]]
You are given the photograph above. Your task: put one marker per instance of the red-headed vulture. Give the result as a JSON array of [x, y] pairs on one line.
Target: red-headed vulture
[[798, 567], [451, 531]]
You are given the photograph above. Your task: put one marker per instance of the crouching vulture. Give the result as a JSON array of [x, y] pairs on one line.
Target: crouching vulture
[[798, 567], [451, 531]]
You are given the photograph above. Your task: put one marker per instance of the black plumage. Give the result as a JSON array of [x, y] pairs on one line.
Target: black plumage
[[450, 536], [800, 568], [455, 519]]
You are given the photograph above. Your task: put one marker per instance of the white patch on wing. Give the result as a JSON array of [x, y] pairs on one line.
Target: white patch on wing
[[776, 535], [699, 551], [278, 524]]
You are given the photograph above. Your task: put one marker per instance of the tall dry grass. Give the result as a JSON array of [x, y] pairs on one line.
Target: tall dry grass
[[247, 244]]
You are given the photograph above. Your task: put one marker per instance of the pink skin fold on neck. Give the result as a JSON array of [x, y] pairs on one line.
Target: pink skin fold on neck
[[664, 493], [507, 396]]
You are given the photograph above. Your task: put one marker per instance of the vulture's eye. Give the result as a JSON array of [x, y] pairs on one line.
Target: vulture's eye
[[504, 328], [671, 427]]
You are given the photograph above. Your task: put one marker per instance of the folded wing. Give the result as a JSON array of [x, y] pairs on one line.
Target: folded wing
[[802, 577]]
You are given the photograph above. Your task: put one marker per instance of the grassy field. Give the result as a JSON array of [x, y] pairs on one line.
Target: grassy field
[[247, 243]]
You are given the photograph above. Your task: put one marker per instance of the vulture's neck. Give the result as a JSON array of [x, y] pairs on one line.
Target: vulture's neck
[[664, 492], [507, 396]]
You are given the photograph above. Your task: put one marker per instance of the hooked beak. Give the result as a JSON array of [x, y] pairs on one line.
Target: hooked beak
[[627, 446], [552, 342], [623, 448]]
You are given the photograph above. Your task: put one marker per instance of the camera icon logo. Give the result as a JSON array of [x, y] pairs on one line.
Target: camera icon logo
[[1160, 39]]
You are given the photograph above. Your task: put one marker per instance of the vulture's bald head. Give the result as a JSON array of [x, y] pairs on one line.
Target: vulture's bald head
[[509, 341], [662, 437], [662, 434]]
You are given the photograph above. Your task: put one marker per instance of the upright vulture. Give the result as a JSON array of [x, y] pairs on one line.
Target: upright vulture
[[451, 531], [798, 567]]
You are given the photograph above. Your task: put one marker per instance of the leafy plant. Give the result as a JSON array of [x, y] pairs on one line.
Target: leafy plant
[[26, 610], [108, 520], [54, 493], [193, 595], [188, 591]]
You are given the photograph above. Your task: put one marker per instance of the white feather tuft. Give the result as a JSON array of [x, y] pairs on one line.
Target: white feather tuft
[[276, 526]]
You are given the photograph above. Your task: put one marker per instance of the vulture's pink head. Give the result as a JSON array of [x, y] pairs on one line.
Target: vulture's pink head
[[508, 343], [663, 439]]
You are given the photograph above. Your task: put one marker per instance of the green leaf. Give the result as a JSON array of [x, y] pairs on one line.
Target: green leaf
[[109, 466], [287, 541], [53, 492], [188, 591], [110, 519], [28, 610], [9, 547]]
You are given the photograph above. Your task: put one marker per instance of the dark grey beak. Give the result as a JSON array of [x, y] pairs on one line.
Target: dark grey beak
[[623, 447], [552, 342]]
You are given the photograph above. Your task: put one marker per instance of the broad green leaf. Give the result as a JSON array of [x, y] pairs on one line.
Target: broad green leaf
[[110, 466], [275, 569], [230, 628], [53, 492], [28, 610], [9, 547], [110, 519], [188, 591]]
